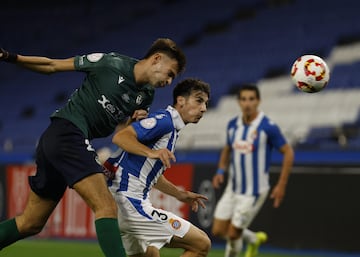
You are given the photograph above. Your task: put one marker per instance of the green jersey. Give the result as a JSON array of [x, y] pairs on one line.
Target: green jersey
[[108, 95]]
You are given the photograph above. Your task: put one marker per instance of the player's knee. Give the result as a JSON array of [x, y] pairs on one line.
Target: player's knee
[[203, 244], [29, 227], [106, 209], [218, 232], [206, 245], [234, 235]]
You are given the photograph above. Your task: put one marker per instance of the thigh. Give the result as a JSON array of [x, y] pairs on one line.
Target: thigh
[[36, 212], [93, 189], [246, 208], [225, 206], [193, 240], [142, 225]]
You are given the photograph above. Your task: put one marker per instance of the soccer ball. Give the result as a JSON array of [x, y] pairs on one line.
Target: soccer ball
[[310, 73]]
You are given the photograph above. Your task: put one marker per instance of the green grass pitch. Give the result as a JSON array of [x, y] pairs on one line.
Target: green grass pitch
[[59, 248]]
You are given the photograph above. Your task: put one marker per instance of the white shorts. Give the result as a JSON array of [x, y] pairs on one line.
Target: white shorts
[[240, 209], [142, 225]]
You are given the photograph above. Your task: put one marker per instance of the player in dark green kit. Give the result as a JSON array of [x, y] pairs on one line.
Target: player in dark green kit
[[116, 90]]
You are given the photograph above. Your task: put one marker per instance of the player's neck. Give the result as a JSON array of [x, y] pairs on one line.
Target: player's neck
[[247, 119]]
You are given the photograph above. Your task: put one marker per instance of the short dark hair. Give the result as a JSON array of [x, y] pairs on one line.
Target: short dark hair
[[168, 47], [187, 86], [250, 87]]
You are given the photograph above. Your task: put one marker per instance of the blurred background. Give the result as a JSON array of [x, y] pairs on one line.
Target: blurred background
[[227, 43]]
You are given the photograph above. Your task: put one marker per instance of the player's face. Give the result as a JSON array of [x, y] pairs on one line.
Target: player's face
[[163, 70], [193, 107], [248, 102]]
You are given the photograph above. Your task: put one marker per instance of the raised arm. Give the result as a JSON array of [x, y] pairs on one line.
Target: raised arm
[[38, 63], [278, 192]]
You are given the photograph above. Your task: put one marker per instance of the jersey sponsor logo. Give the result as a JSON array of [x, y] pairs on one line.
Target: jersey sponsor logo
[[95, 57], [175, 224], [113, 110], [121, 79], [242, 146], [148, 123]]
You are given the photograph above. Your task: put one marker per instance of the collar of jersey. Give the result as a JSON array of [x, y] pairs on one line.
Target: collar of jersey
[[178, 122]]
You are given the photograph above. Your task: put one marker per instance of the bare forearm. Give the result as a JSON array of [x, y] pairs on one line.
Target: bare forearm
[[287, 165], [129, 143], [44, 64], [224, 158], [167, 187]]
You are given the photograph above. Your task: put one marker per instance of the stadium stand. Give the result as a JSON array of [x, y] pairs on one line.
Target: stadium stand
[[227, 45]]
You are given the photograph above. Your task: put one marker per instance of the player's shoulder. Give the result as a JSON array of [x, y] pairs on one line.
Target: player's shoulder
[[232, 122], [159, 118]]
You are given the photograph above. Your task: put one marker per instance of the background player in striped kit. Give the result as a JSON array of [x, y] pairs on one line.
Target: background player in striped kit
[[251, 136], [149, 147], [116, 89]]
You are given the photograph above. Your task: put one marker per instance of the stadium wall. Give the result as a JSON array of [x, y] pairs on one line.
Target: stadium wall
[[319, 211]]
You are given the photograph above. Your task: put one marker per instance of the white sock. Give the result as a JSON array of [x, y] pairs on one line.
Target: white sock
[[233, 247], [249, 236]]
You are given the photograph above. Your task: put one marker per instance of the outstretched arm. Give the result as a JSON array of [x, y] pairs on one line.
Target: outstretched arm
[[38, 63], [191, 198], [278, 191]]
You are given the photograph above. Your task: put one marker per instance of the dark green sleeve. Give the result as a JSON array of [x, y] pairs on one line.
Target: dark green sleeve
[[91, 61]]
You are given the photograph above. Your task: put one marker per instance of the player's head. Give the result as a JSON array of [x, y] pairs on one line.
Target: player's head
[[165, 60], [191, 98], [249, 98]]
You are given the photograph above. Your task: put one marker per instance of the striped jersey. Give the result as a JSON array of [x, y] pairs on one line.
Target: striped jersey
[[251, 146], [135, 175]]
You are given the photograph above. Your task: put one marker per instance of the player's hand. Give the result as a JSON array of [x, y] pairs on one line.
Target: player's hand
[[164, 155], [6, 56], [139, 115], [193, 199], [3, 54], [278, 194], [217, 180]]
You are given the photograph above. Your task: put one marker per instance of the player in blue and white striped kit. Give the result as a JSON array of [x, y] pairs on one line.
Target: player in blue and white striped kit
[[149, 147], [251, 136]]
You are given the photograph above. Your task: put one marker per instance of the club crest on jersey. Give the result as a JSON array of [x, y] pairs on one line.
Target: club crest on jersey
[[148, 123], [139, 99], [175, 224]]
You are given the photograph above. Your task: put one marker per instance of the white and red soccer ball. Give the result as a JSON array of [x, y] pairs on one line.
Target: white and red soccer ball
[[310, 73]]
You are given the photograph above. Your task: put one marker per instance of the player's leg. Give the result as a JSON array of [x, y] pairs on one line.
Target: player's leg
[[151, 251], [253, 239], [234, 241], [220, 227], [30, 222], [195, 243], [93, 189]]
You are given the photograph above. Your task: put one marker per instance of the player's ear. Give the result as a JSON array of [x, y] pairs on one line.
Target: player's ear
[[180, 100], [156, 58]]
